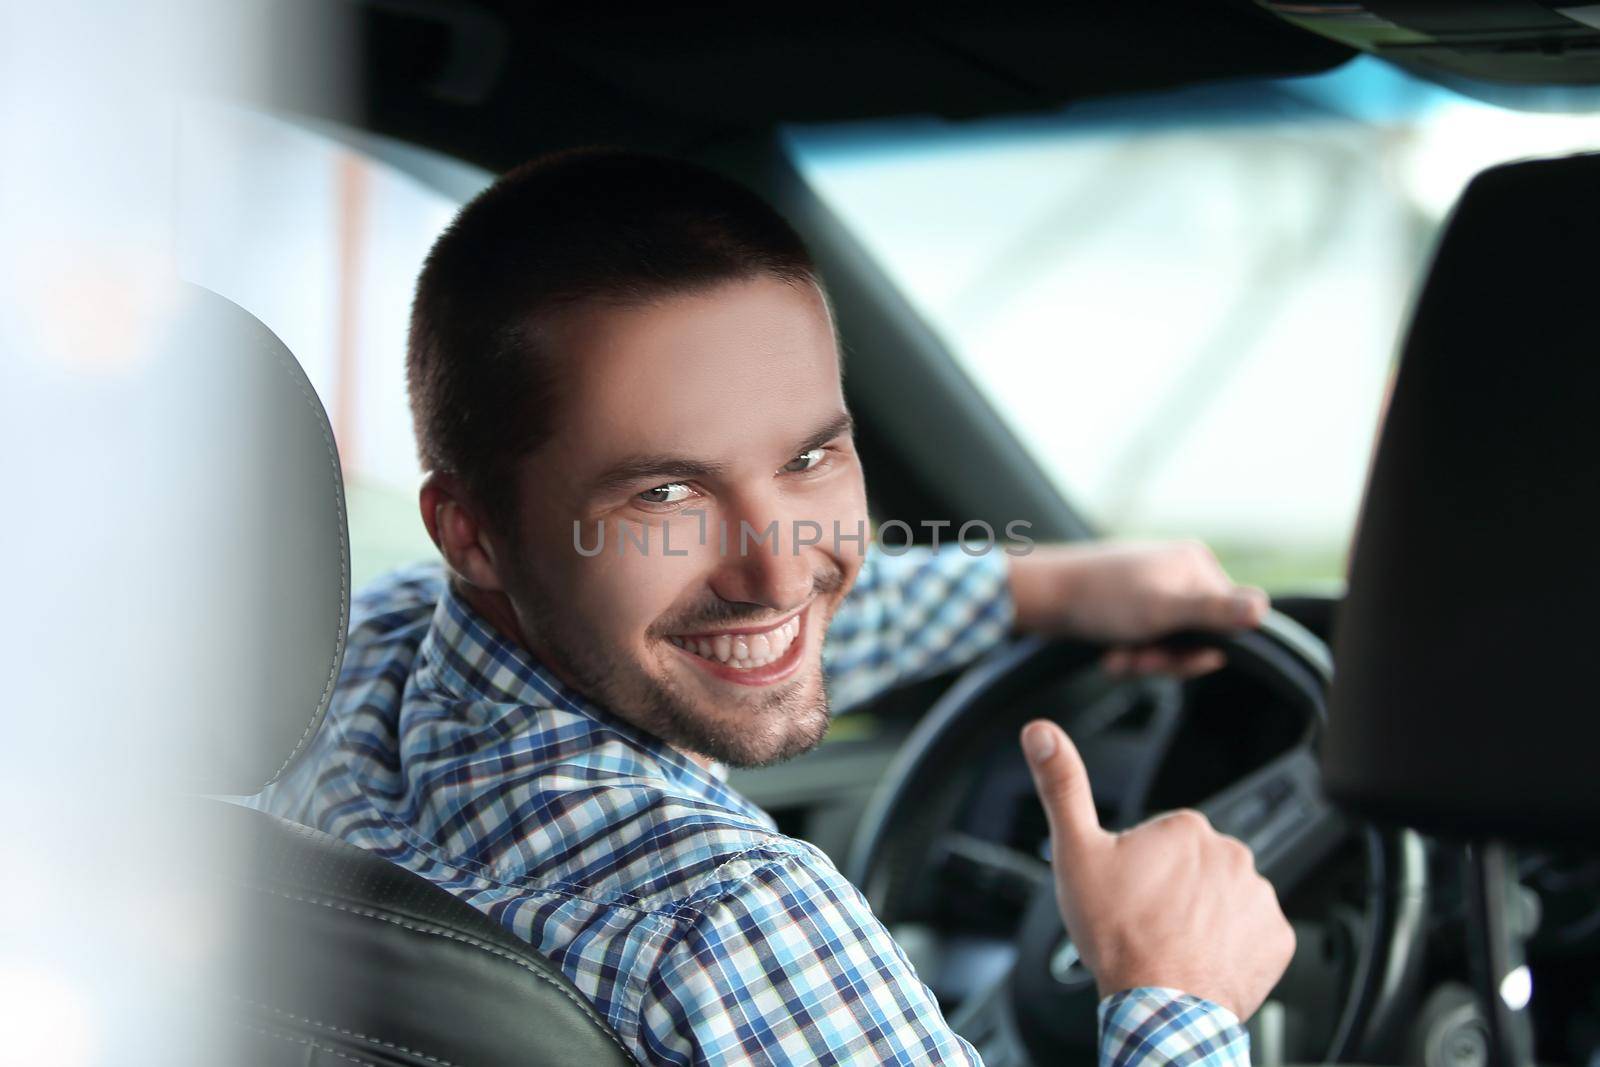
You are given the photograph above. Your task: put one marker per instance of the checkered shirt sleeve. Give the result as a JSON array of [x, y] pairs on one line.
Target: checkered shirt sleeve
[[791, 966], [914, 613], [1150, 1025]]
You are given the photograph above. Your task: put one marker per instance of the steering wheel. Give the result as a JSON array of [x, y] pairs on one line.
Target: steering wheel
[[910, 842]]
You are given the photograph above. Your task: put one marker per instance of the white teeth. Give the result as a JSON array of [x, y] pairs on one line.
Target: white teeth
[[743, 651]]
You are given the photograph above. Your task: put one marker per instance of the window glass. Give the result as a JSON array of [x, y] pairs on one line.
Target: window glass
[[323, 243], [1187, 304]]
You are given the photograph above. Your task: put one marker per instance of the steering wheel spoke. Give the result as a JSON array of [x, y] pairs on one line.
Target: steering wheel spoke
[[1280, 812], [988, 867]]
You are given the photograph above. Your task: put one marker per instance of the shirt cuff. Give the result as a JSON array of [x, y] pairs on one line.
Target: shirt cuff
[[1151, 1025]]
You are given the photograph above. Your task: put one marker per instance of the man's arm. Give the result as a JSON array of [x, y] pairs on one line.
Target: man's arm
[[789, 965], [1128, 595], [918, 612]]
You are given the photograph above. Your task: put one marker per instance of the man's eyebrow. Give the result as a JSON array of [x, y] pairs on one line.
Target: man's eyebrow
[[837, 426], [635, 469]]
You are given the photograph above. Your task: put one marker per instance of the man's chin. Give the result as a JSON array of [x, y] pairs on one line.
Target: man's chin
[[763, 728], [747, 754]]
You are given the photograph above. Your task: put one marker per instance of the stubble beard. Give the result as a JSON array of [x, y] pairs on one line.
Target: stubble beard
[[785, 721]]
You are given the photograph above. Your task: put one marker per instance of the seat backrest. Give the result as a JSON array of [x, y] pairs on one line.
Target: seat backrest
[[322, 952], [1463, 699], [338, 956]]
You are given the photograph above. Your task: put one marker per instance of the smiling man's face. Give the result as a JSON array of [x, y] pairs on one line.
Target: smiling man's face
[[715, 410]]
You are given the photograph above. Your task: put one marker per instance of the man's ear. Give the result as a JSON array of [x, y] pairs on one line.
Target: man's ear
[[457, 531]]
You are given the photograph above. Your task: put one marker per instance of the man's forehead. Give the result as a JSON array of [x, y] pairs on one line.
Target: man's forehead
[[747, 365]]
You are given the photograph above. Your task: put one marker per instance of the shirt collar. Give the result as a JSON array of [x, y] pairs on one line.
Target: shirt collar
[[467, 656]]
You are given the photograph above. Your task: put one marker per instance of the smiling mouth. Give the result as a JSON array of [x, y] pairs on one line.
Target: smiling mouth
[[744, 650]]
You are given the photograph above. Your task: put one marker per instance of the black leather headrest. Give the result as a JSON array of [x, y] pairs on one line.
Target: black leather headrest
[[1465, 697]]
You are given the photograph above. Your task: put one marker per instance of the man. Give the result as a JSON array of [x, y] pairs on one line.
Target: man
[[642, 481]]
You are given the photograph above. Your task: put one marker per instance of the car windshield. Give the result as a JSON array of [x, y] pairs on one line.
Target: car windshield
[[1186, 304]]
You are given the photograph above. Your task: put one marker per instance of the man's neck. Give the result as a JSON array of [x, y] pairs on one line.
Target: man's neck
[[495, 609]]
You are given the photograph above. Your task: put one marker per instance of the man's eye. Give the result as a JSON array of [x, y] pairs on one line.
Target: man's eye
[[671, 493], [804, 461]]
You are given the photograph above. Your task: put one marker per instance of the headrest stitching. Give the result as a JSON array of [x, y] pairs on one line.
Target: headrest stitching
[[432, 929], [298, 375]]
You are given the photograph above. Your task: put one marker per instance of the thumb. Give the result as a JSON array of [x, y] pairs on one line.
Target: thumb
[[1063, 784]]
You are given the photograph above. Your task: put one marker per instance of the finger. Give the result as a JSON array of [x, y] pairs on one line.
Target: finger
[[1153, 659], [1236, 609], [1257, 602], [1117, 661], [1184, 663], [1063, 784], [1238, 853], [1194, 663], [1183, 821]]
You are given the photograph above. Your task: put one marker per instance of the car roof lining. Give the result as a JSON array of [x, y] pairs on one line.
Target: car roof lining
[[495, 83]]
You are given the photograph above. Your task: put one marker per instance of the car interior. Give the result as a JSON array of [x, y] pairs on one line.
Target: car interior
[[1407, 744]]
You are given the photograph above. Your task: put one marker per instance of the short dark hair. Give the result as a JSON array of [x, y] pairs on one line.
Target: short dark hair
[[569, 229]]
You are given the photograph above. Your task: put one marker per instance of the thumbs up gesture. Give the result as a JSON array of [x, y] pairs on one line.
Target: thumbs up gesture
[[1169, 903]]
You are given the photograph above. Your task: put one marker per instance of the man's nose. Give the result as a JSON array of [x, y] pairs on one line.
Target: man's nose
[[763, 564]]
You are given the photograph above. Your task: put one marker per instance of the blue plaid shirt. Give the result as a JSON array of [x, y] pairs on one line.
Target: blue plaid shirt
[[673, 904]]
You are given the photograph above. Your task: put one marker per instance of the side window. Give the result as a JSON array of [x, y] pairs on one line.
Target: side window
[[322, 242]]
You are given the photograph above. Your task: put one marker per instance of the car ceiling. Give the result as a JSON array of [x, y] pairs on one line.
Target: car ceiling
[[494, 83]]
